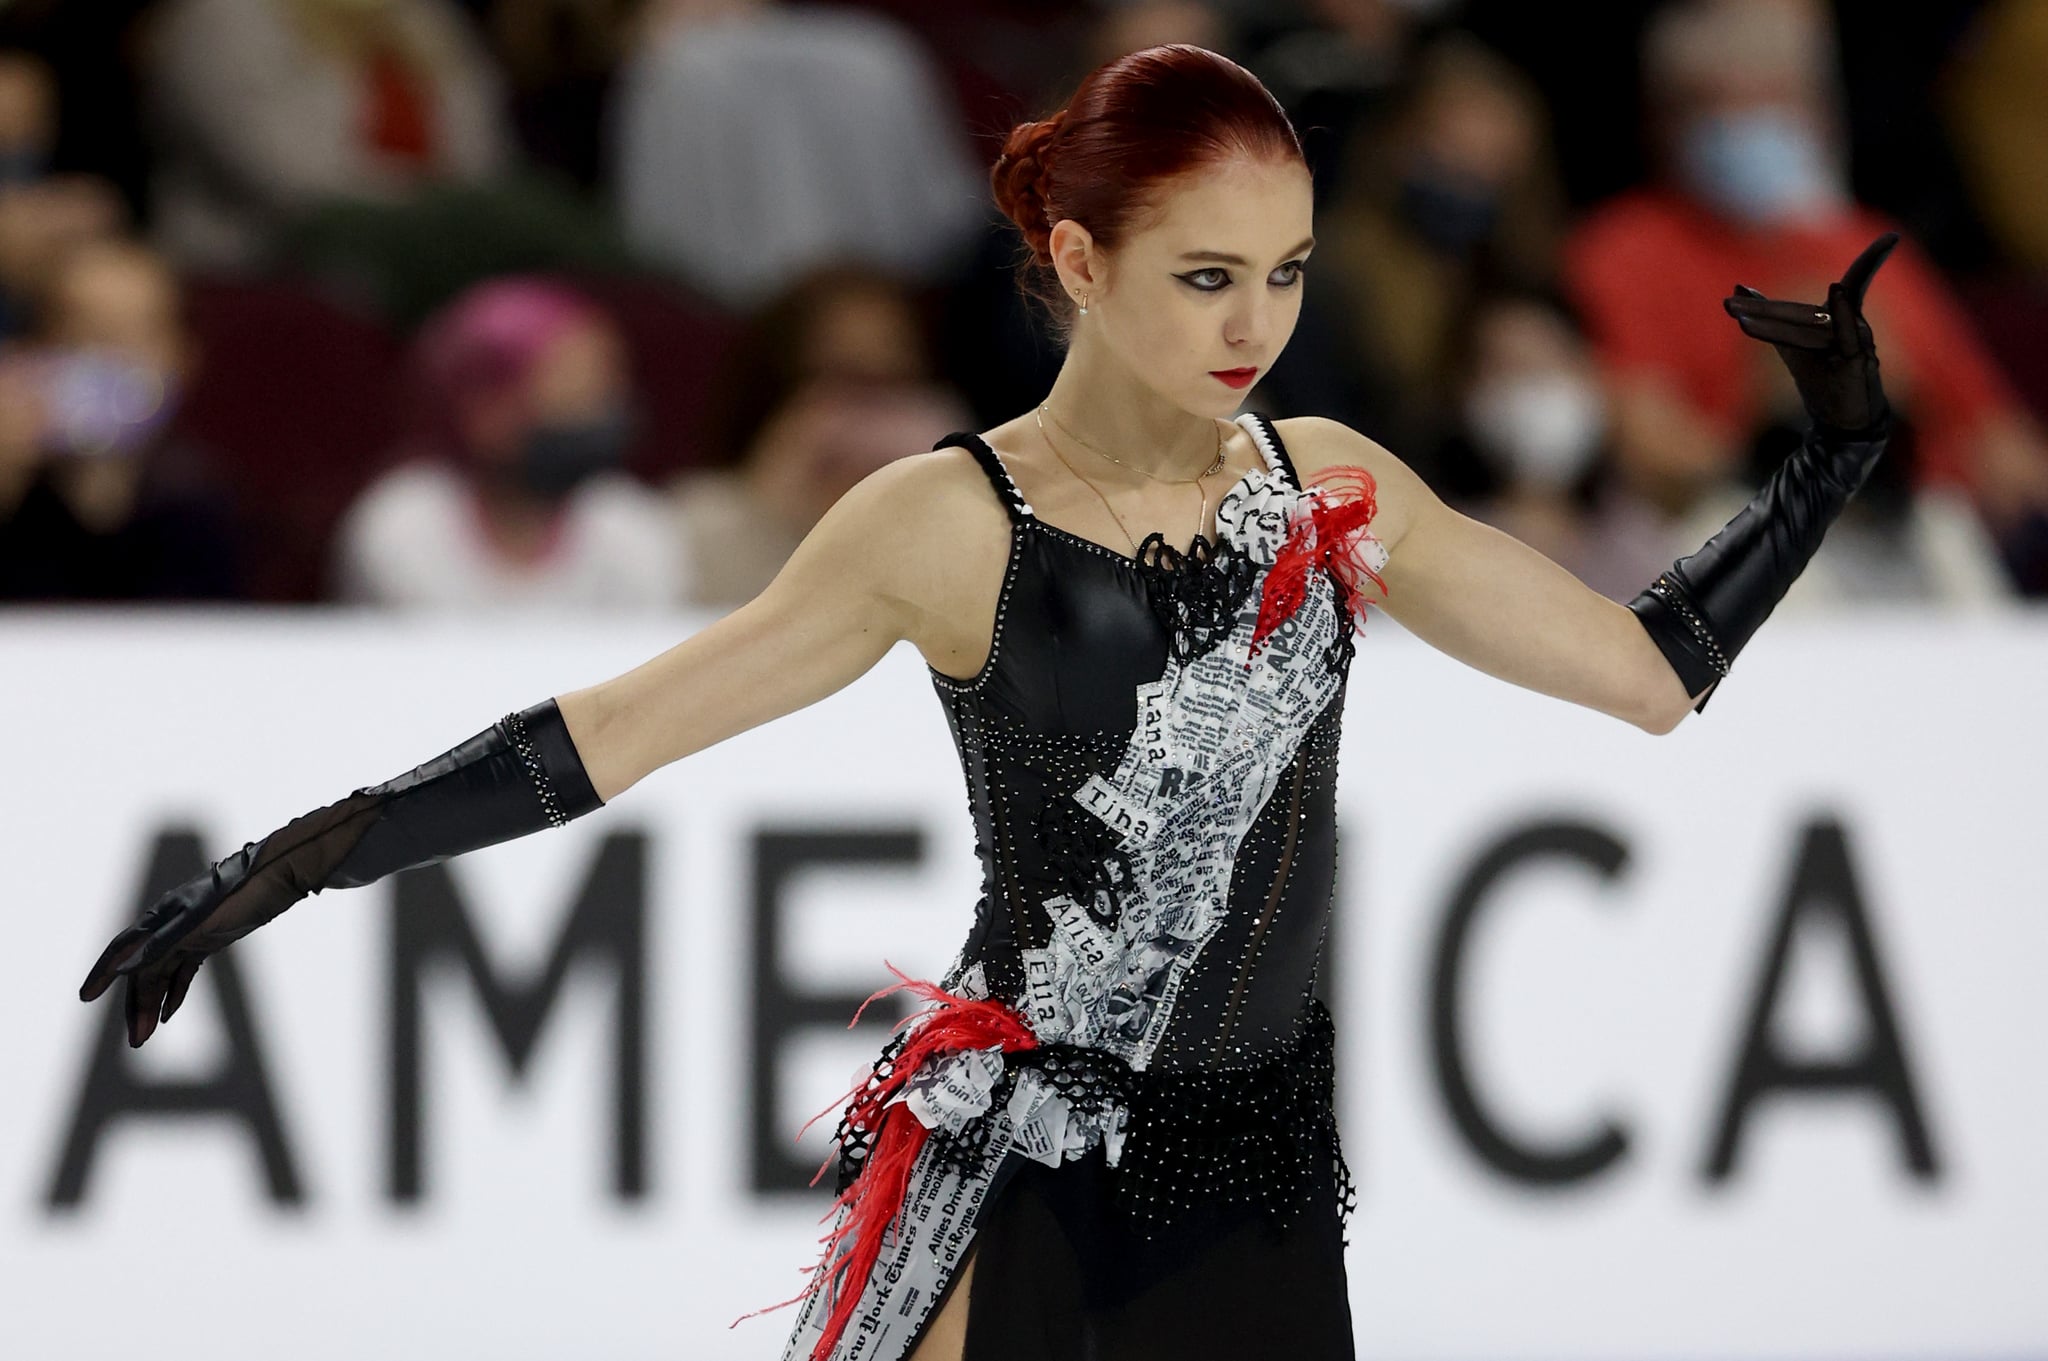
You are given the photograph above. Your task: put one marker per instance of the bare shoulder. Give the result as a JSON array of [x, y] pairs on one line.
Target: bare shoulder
[[931, 536], [941, 510], [1315, 443], [896, 557]]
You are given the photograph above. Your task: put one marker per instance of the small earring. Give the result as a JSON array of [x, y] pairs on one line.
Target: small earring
[[1084, 307]]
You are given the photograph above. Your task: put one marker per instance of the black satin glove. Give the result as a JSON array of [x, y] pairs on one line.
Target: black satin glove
[[519, 775], [1706, 606], [1827, 346]]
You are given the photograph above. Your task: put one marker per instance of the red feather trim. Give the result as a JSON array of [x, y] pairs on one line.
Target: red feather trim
[[875, 1195], [1331, 531]]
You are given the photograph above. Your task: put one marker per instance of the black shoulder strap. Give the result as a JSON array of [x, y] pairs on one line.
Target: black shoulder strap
[[998, 475], [1272, 436]]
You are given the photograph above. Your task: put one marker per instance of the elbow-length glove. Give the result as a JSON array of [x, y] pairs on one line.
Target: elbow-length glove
[[1705, 607], [519, 775]]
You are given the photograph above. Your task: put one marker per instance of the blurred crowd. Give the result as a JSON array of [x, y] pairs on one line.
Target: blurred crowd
[[601, 303]]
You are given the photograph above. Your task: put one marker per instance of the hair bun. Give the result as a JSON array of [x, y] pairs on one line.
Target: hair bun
[[1021, 180], [1135, 125]]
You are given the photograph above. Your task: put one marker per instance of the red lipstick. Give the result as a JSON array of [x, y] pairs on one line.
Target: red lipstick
[[1236, 378]]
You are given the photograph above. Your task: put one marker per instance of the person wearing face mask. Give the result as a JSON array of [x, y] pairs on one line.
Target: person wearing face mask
[[100, 498], [1766, 164], [1752, 184], [1530, 426], [1458, 188], [830, 380], [514, 492]]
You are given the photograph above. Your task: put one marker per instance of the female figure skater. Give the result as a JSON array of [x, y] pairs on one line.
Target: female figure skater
[[1113, 1121]]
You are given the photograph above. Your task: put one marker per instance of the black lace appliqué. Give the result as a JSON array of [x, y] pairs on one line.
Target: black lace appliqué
[[1084, 858], [1196, 593], [1337, 656], [1091, 1081], [854, 1141], [1251, 1135]]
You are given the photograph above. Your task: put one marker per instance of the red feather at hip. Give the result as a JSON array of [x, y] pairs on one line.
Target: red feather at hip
[[875, 1195]]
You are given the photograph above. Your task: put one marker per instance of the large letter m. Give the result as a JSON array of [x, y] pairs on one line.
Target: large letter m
[[605, 926]]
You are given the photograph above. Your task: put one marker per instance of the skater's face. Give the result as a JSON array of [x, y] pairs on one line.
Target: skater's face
[[1211, 280]]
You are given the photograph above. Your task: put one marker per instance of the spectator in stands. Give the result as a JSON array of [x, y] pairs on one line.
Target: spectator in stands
[[1752, 188], [1534, 414], [41, 215], [830, 381], [265, 108], [1457, 191], [1337, 75], [98, 501], [1895, 543], [754, 140], [1990, 99], [836, 320], [1996, 120], [1531, 427], [511, 493], [28, 117], [559, 58]]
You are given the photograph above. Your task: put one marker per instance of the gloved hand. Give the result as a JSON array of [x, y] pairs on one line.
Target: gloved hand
[[1703, 610], [1827, 346], [519, 775], [163, 950]]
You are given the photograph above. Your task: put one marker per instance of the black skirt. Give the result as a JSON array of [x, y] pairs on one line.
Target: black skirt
[[1219, 1232], [1059, 1275]]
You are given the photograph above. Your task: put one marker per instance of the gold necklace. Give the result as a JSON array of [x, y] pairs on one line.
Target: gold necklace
[[1201, 516], [1209, 471]]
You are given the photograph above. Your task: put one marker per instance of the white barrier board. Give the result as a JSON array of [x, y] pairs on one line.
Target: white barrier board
[[1731, 1043]]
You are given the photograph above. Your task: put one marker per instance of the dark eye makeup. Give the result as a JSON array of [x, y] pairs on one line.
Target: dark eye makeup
[[1192, 277]]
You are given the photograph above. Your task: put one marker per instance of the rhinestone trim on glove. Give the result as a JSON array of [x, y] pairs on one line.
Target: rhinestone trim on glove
[[522, 742], [1668, 591]]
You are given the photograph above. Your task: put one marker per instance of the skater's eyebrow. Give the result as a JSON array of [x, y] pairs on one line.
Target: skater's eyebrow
[[1223, 258]]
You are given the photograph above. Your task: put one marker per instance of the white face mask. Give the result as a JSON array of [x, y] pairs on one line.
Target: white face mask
[[1760, 166], [1541, 430]]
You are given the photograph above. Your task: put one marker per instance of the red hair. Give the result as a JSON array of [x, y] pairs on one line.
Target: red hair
[[1136, 122]]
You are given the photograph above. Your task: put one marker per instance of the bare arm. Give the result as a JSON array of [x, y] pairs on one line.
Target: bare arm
[[1493, 602], [904, 554], [852, 589]]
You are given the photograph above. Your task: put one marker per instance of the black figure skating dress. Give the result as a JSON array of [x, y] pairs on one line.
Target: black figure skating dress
[[1121, 1095]]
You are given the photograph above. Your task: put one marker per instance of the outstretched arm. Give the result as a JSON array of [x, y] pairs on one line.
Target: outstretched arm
[[845, 597], [1705, 607], [837, 606], [1493, 602]]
